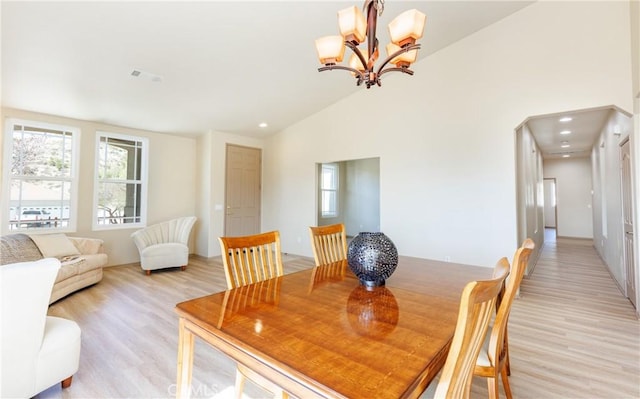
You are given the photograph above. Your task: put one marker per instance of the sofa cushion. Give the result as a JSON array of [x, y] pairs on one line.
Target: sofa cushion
[[69, 269], [16, 248], [92, 262], [55, 245]]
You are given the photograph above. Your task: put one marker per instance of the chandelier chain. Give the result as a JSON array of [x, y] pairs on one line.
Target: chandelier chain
[[379, 5]]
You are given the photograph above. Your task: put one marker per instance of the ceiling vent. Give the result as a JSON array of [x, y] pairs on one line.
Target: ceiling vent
[[138, 73]]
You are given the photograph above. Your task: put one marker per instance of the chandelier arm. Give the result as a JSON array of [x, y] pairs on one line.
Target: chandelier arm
[[330, 67], [406, 49], [358, 53], [395, 69]]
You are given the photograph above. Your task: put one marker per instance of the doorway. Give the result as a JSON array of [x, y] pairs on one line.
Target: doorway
[[242, 190], [349, 193], [550, 208]]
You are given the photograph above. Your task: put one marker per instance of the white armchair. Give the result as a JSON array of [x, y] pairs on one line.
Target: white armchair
[[38, 351], [164, 244]]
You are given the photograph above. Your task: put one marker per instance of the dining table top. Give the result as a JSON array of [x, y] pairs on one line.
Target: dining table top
[[319, 332]]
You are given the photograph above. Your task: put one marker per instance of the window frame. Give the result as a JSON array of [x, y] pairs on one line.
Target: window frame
[[336, 180], [8, 177], [143, 181]]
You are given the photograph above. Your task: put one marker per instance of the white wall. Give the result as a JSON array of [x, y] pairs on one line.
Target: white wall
[[445, 136], [573, 190], [363, 196], [607, 210], [530, 192], [172, 180]]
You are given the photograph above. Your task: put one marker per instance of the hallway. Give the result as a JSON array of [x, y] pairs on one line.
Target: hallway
[[572, 333]]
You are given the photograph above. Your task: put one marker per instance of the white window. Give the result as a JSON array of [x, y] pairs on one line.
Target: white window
[[121, 181], [329, 190], [40, 177]]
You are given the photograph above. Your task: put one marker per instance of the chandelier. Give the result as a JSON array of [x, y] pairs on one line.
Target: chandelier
[[404, 31]]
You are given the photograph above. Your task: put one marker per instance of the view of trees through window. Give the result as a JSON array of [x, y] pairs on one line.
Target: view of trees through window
[[40, 177], [119, 180]]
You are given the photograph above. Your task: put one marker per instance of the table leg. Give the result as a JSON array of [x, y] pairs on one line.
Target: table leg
[[185, 360]]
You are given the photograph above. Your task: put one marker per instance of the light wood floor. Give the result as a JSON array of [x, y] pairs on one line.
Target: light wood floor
[[572, 334]]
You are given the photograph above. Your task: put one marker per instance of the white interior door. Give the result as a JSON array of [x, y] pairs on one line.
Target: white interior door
[[243, 191], [627, 215]]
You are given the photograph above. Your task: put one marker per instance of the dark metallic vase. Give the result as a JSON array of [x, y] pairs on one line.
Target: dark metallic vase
[[372, 257]]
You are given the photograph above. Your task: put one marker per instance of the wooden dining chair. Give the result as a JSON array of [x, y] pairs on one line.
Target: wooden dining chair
[[329, 243], [493, 359], [247, 260], [477, 304]]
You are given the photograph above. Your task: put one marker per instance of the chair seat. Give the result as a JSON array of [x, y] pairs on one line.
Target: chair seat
[[165, 255]]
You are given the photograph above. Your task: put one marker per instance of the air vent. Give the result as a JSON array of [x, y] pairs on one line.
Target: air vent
[[138, 73]]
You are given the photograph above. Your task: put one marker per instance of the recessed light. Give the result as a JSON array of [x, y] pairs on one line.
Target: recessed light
[[263, 125], [566, 156], [566, 119], [565, 146], [565, 132]]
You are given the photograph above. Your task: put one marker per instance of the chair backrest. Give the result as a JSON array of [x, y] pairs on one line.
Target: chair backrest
[[519, 265], [476, 308], [329, 243], [25, 289], [250, 259], [172, 231]]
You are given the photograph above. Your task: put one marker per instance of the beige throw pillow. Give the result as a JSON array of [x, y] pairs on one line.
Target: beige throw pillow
[[54, 245]]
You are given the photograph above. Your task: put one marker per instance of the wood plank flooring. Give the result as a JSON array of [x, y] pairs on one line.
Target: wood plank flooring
[[572, 334]]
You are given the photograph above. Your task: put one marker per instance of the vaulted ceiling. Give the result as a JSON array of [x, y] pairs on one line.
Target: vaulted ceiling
[[211, 65]]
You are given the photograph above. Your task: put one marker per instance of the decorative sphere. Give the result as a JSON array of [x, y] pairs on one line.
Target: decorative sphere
[[372, 257]]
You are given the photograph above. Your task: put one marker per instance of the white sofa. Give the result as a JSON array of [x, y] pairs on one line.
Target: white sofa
[[165, 244], [82, 258], [38, 351]]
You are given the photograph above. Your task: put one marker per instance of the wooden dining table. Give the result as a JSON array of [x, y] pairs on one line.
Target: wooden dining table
[[319, 333]]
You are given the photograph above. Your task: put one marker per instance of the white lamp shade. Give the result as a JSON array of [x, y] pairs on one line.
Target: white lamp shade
[[354, 62], [353, 26], [330, 49], [403, 60], [407, 27]]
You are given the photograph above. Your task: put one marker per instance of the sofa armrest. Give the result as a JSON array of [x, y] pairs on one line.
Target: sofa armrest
[[88, 246]]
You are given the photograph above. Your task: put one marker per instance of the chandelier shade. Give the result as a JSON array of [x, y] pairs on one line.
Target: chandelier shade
[[404, 59], [407, 27], [353, 26], [356, 26], [330, 49]]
